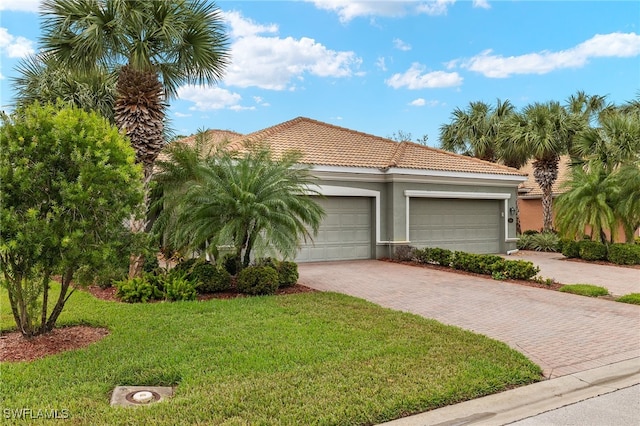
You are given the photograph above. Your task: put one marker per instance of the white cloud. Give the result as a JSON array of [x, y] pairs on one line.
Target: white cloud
[[20, 5], [349, 9], [380, 63], [621, 45], [244, 27], [418, 102], [181, 115], [209, 98], [435, 8], [273, 62], [15, 47], [401, 45], [415, 78], [482, 4]]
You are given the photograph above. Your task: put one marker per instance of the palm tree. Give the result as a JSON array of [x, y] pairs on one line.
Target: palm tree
[[44, 80], [155, 46], [588, 202], [250, 200], [543, 130], [478, 132]]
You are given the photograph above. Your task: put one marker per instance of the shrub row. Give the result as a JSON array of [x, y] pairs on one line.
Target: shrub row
[[486, 264], [621, 254]]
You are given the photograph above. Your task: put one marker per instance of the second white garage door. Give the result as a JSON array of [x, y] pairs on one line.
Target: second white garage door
[[345, 233], [455, 224]]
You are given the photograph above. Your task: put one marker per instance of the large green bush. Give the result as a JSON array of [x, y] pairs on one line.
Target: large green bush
[[68, 181], [520, 269], [624, 254], [592, 250], [256, 280]]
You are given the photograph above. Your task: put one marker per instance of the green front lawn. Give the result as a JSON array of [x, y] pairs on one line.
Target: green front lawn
[[312, 358]]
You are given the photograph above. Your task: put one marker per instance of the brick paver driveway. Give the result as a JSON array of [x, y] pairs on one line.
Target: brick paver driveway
[[563, 333]]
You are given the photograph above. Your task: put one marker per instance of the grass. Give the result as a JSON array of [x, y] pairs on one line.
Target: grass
[[633, 298], [585, 290], [313, 358]]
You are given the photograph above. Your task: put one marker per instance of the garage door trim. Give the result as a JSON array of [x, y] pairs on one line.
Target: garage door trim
[[465, 195]]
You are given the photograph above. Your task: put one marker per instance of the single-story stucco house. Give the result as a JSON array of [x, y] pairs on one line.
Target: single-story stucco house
[[380, 194]]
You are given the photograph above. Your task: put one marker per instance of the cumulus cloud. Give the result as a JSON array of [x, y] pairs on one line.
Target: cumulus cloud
[[20, 5], [181, 115], [209, 98], [621, 45], [272, 62], [347, 10], [482, 4], [418, 102], [401, 45], [416, 78], [15, 47], [380, 63]]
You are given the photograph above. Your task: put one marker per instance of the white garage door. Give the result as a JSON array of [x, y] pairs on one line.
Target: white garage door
[[345, 232], [467, 225]]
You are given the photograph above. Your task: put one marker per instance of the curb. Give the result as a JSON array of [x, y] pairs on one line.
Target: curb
[[527, 401]]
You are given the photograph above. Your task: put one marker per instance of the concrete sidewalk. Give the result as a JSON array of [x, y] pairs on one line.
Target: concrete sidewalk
[[531, 401], [619, 280]]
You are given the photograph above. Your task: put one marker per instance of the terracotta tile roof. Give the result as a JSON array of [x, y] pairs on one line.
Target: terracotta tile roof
[[530, 188], [214, 137], [329, 145]]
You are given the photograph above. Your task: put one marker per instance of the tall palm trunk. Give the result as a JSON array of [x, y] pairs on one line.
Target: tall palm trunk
[[139, 112], [545, 173]]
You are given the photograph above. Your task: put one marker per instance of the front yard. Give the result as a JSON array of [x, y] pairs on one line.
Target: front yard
[[312, 358]]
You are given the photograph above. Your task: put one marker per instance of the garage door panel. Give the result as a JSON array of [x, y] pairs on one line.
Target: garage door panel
[[345, 232], [468, 225]]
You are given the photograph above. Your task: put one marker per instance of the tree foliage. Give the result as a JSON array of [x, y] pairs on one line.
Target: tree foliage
[[69, 180], [250, 200]]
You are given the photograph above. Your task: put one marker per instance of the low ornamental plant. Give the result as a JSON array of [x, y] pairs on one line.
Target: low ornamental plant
[[585, 290], [210, 278], [287, 274], [137, 290], [633, 298], [178, 287]]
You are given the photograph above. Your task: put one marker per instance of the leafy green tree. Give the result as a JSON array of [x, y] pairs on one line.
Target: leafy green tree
[[154, 46], [69, 180], [250, 200]]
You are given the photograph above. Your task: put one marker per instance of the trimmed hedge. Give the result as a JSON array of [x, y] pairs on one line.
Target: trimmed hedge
[[287, 274], [210, 278], [485, 264], [256, 280], [592, 250], [624, 254]]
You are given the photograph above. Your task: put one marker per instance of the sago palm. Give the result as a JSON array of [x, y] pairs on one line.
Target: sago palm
[[155, 46]]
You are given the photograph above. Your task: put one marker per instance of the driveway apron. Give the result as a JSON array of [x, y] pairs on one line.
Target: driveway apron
[[562, 333]]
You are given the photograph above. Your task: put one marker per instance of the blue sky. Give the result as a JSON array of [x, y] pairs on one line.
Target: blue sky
[[383, 67]]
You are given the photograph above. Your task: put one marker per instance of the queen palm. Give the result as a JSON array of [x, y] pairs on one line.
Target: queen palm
[[251, 201], [543, 129], [155, 46]]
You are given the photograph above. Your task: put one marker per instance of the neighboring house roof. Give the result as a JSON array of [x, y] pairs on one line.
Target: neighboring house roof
[[530, 189], [329, 145]]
